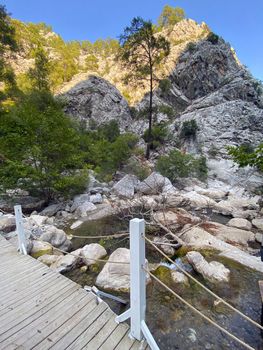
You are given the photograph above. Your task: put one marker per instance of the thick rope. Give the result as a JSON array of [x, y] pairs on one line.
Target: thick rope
[[199, 312], [205, 288], [116, 235]]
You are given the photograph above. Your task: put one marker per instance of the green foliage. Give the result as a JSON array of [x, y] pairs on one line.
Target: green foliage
[[135, 167], [165, 109], [40, 148], [91, 63], [244, 155], [189, 129], [179, 165], [165, 86], [158, 137], [213, 38], [39, 74], [7, 44], [170, 16], [191, 47], [109, 131]]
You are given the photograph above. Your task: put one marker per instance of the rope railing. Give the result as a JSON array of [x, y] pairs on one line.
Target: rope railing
[[204, 287]]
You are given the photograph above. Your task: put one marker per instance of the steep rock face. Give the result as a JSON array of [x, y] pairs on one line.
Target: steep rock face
[[98, 100]]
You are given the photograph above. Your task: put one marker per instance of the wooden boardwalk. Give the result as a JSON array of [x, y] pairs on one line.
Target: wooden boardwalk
[[41, 309]]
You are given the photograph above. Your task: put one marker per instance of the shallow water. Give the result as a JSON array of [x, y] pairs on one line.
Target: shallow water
[[173, 325]]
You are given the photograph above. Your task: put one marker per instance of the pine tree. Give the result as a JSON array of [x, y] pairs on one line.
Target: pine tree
[[141, 51]]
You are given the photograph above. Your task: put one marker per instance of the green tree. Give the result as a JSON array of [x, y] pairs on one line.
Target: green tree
[[91, 63], [39, 75], [7, 45], [141, 52], [40, 148], [170, 16], [244, 156]]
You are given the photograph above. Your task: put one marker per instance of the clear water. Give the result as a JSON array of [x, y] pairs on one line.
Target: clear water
[[173, 325]]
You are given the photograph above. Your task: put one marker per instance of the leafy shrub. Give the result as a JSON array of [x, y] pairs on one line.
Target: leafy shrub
[[189, 129], [109, 131], [165, 86], [159, 135], [213, 38], [179, 165], [168, 110], [91, 63], [191, 47], [244, 155], [134, 167]]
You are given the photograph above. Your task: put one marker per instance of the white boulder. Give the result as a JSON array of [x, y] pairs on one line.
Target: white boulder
[[258, 223], [91, 252], [125, 188], [213, 271], [243, 224]]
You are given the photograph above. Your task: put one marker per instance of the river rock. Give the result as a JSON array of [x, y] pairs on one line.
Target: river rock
[[240, 223], [176, 217], [41, 248], [96, 198], [48, 259], [258, 223], [51, 210], [84, 209], [259, 237], [7, 223], [56, 237], [78, 200], [213, 193], [213, 271], [154, 184], [65, 263], [76, 224], [198, 238], [230, 234], [236, 204], [179, 277], [93, 251], [125, 188], [199, 201], [39, 220]]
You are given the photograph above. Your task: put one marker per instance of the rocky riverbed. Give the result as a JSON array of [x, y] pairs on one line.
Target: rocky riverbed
[[219, 228]]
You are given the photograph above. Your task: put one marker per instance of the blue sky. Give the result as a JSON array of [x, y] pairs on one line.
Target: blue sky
[[239, 21]]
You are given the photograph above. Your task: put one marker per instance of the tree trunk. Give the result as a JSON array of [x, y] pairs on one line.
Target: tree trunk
[[150, 117]]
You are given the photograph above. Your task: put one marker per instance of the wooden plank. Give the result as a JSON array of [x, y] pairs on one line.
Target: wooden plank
[[103, 333], [72, 327], [142, 345], [57, 299], [28, 308], [126, 342], [115, 337], [91, 331], [40, 328]]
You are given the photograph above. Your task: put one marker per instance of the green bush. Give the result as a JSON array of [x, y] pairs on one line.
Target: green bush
[[189, 129], [191, 47], [168, 110], [165, 86], [179, 165], [134, 167], [109, 131], [159, 135], [213, 38]]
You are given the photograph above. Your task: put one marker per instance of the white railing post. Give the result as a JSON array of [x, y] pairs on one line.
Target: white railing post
[[137, 308], [20, 230]]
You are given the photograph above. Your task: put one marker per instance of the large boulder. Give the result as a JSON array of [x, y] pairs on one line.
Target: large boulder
[[56, 237], [231, 235], [48, 259], [116, 276], [258, 223], [236, 204], [38, 220], [240, 223], [41, 248], [213, 271], [65, 263], [7, 223], [91, 252], [84, 209], [155, 184], [125, 188], [175, 218], [52, 209], [198, 201], [28, 203]]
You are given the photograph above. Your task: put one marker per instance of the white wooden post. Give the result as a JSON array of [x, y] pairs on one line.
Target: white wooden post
[[20, 230], [138, 285]]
